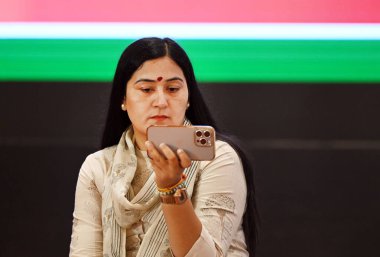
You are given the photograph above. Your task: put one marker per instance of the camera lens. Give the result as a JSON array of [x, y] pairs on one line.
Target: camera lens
[[207, 133], [198, 133], [203, 141]]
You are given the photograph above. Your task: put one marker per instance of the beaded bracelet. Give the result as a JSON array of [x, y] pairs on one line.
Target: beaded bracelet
[[172, 191], [169, 189]]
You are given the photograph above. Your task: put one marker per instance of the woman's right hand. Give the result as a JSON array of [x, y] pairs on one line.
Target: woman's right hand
[[168, 167]]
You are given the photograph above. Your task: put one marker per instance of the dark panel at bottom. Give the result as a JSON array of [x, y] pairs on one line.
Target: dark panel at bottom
[[37, 188], [318, 203], [315, 148]]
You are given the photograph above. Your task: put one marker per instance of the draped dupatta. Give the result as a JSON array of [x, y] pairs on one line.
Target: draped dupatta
[[121, 208]]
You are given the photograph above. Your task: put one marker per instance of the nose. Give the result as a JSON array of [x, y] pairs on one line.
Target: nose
[[161, 101]]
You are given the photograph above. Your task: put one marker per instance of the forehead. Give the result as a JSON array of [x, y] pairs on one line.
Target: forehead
[[163, 67]]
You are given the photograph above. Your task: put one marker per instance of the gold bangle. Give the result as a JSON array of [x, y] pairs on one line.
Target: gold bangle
[[168, 189], [171, 192]]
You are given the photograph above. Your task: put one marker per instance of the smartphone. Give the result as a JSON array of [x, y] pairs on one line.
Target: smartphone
[[197, 141]]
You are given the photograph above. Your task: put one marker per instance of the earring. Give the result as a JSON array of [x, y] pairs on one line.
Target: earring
[[123, 107], [188, 105]]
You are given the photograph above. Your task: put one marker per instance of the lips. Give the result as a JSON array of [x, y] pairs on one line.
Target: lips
[[159, 117]]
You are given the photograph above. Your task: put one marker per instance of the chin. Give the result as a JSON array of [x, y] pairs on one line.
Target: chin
[[163, 122]]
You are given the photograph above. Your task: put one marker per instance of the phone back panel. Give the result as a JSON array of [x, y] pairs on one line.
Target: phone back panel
[[189, 138]]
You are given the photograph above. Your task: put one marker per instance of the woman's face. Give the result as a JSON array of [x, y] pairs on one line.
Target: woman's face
[[156, 94]]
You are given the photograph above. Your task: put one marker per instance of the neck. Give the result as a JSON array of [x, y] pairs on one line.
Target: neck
[[140, 140]]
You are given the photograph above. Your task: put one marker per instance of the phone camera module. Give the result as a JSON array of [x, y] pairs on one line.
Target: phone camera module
[[202, 137], [198, 133]]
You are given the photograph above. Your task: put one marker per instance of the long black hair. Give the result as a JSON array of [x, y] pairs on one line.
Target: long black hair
[[198, 113]]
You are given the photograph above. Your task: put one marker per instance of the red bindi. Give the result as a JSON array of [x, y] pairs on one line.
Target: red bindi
[[159, 78]]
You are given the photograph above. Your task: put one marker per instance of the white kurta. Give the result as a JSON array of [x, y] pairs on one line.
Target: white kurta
[[219, 201]]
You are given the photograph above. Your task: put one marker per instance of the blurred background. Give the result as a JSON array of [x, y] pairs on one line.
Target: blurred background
[[297, 81]]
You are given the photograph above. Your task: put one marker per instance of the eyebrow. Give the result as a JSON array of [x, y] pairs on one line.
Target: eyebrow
[[152, 80], [175, 78]]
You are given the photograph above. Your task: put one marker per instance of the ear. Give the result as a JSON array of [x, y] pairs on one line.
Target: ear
[[123, 105]]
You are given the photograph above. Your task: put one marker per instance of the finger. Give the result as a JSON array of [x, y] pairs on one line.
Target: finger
[[169, 154], [153, 153], [184, 159]]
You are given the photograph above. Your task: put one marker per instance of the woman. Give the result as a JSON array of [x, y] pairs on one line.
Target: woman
[[118, 210]]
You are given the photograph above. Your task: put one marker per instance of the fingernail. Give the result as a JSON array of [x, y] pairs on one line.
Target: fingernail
[[162, 145], [147, 144], [179, 151]]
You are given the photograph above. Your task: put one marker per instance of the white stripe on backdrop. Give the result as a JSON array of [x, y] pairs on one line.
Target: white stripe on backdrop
[[123, 30]]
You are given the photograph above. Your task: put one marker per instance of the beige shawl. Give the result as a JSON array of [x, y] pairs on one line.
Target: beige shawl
[[121, 209]]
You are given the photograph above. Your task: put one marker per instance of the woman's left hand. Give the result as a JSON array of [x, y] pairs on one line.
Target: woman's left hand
[[168, 166]]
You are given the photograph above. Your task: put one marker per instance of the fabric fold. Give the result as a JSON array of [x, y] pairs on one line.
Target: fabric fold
[[121, 208]]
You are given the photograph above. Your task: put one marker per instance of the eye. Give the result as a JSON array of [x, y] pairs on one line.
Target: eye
[[173, 89], [146, 89]]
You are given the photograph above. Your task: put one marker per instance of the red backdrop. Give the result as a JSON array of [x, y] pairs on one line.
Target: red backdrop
[[192, 11]]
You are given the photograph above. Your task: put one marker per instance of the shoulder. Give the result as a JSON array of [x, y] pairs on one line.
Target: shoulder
[[102, 158], [97, 165], [225, 154], [224, 151], [225, 173], [222, 147]]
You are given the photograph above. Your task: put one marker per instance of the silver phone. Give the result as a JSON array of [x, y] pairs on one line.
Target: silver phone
[[197, 141]]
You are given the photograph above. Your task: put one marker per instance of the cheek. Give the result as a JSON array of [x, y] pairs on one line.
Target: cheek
[[136, 110], [181, 106], [133, 108], [135, 102], [184, 98]]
